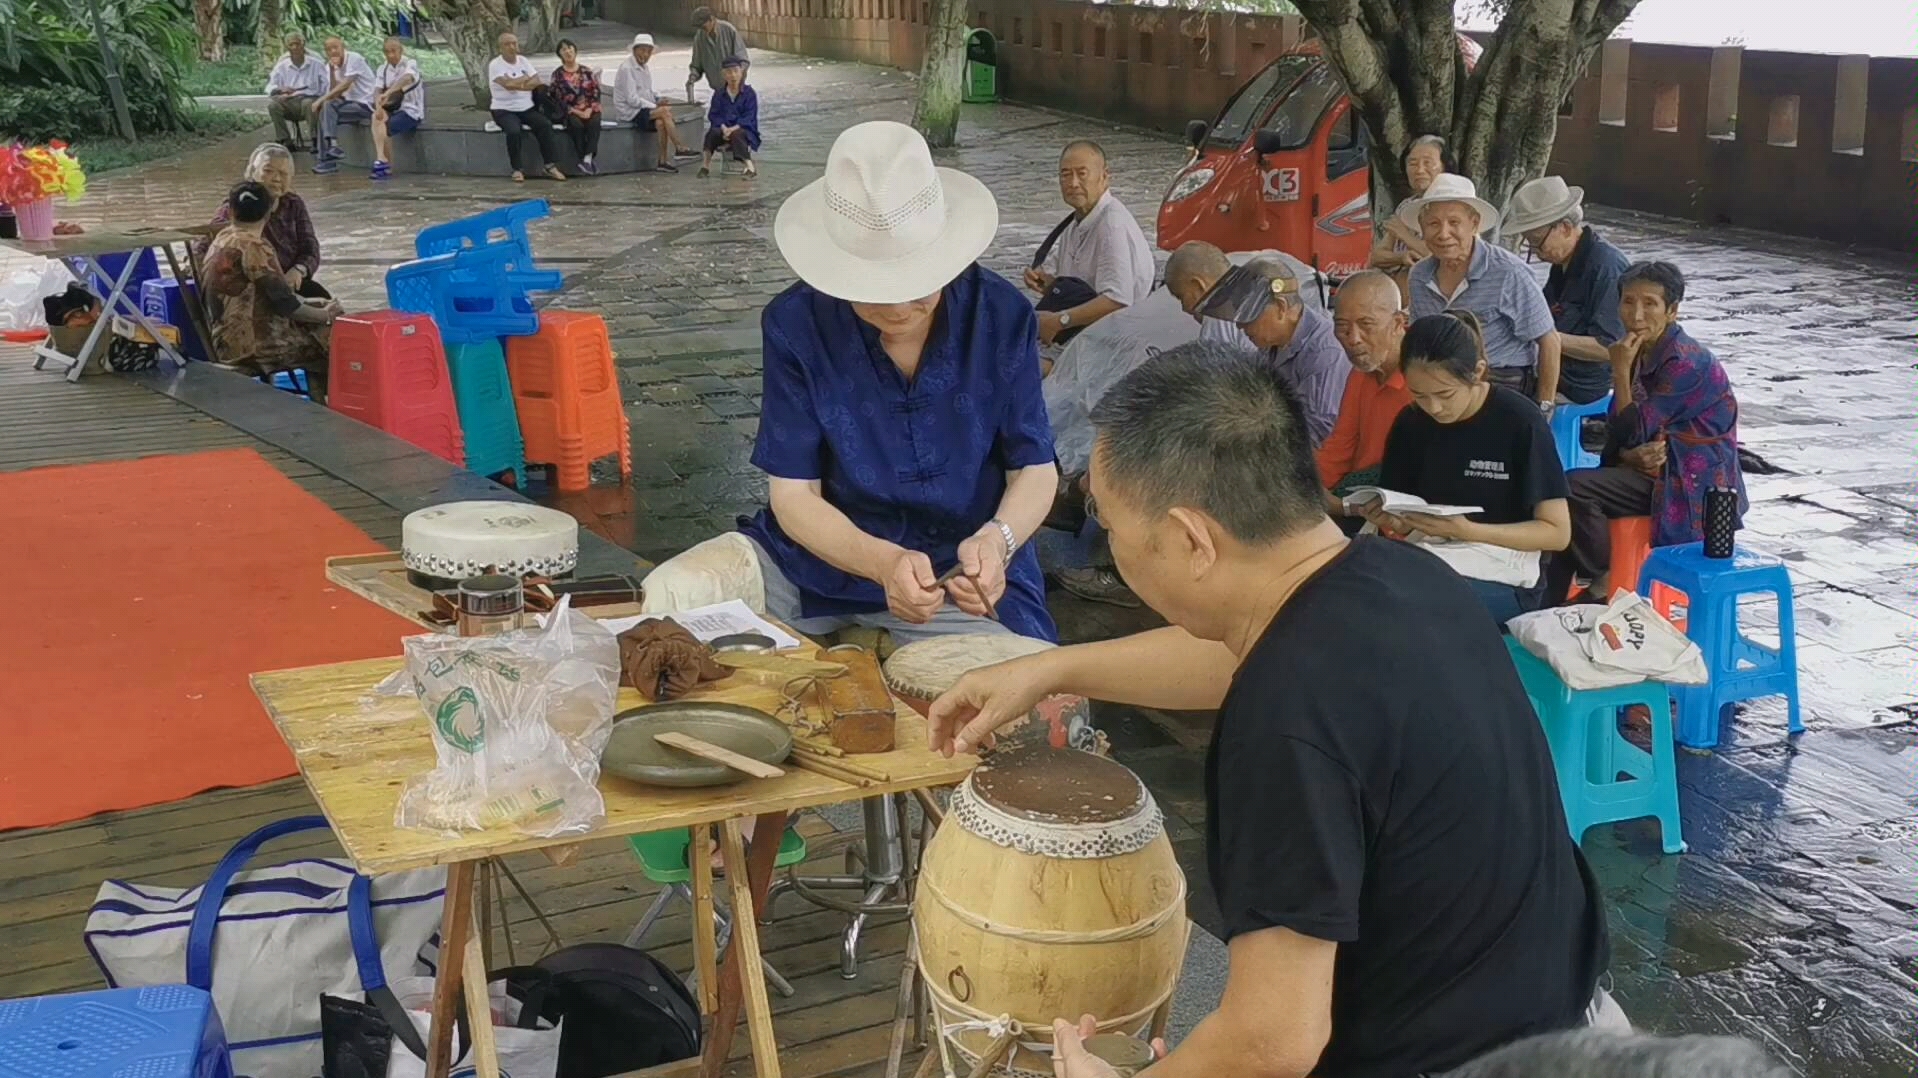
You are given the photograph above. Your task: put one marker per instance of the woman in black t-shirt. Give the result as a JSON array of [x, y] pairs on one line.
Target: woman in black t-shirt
[[1469, 442]]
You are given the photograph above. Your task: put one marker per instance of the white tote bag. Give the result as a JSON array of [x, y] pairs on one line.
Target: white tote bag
[[523, 1053], [268, 943]]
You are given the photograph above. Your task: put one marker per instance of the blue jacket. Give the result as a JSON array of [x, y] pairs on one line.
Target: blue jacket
[[743, 111]]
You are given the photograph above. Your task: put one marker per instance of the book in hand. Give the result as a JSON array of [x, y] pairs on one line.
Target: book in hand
[[1361, 500]]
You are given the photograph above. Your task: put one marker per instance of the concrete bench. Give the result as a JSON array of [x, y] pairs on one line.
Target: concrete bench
[[461, 146]]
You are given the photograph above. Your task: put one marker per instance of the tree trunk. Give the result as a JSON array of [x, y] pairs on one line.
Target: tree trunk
[[942, 75], [209, 22], [1406, 73], [267, 39], [542, 26], [472, 29]]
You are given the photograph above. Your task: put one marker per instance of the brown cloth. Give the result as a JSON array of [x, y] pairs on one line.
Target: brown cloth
[[662, 660]]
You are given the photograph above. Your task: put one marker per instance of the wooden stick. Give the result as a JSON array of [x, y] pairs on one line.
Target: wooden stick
[[844, 763], [902, 1008], [1000, 1046], [745, 947], [706, 750], [819, 766], [705, 938], [928, 1062], [479, 1009], [456, 924]]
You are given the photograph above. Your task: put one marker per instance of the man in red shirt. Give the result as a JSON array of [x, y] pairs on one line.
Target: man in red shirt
[[1370, 324]]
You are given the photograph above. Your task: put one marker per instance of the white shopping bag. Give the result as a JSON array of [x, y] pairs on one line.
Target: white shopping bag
[[1598, 647], [523, 1053]]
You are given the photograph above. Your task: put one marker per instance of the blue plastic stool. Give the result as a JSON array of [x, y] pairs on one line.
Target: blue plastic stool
[[171, 1031], [1700, 595], [1568, 422], [484, 396], [165, 300], [1589, 753], [506, 225], [473, 295], [293, 382]]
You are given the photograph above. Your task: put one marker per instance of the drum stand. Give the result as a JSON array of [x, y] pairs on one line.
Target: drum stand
[[885, 869]]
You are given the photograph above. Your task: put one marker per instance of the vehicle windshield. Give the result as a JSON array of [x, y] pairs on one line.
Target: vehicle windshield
[[1255, 99], [1300, 111]]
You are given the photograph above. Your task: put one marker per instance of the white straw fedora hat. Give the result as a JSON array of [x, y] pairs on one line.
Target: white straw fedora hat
[[883, 225], [1541, 202], [1447, 187], [642, 39]]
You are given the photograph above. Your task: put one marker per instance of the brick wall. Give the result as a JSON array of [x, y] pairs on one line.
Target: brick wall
[[1800, 143]]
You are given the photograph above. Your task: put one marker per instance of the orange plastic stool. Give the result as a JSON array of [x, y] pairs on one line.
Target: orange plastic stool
[[1631, 545], [567, 396], [388, 370]]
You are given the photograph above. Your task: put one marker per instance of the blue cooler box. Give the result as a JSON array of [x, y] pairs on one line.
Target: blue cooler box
[[165, 300]]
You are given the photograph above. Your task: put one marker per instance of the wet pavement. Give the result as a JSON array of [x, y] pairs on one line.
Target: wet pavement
[[1794, 917]]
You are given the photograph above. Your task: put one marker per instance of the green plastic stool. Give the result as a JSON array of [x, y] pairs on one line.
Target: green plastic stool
[[664, 859]]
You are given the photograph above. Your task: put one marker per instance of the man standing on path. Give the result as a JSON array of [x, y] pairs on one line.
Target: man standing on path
[[1390, 856], [349, 100], [715, 41], [296, 83]]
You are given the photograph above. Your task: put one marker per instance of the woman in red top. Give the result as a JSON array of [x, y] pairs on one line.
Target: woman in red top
[[577, 89]]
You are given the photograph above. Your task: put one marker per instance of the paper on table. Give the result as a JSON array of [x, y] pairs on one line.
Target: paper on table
[[709, 623]]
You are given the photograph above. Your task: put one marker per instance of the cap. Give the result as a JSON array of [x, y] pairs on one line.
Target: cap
[[701, 14], [642, 39], [733, 61], [1243, 294]]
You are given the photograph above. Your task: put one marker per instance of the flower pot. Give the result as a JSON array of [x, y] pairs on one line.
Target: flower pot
[[35, 219]]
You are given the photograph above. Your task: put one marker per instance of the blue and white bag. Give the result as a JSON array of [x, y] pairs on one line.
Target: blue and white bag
[[269, 942]]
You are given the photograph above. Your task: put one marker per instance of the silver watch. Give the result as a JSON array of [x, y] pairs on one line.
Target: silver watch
[[1065, 319], [1005, 532]]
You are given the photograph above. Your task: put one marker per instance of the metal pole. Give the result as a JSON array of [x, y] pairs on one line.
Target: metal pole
[[122, 117]]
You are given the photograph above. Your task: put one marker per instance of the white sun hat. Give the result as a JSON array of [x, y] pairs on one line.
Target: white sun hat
[[642, 39], [883, 225], [1447, 187]]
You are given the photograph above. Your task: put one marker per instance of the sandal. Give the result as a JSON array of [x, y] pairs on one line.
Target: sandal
[[751, 170], [553, 173], [519, 177], [704, 172]]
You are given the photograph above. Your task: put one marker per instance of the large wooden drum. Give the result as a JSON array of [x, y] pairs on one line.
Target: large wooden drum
[[1050, 891], [921, 672]]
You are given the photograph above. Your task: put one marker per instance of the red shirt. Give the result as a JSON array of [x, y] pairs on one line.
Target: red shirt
[[1366, 412]]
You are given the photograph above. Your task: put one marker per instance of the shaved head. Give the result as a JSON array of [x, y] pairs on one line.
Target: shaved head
[[1195, 262], [1371, 288]]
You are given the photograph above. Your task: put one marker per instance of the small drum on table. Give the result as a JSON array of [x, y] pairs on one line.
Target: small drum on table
[[1050, 891], [921, 672]]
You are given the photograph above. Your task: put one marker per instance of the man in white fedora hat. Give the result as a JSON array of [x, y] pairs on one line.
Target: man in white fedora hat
[[1521, 342], [635, 102], [1582, 289], [903, 428]]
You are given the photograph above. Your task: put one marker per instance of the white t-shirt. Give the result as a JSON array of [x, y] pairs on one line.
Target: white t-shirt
[[505, 100], [354, 68], [413, 101]]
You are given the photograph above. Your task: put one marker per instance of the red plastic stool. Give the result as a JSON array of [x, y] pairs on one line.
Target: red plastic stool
[[1631, 545], [567, 395], [389, 371]]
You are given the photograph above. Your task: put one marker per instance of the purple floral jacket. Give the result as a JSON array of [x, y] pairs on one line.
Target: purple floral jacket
[[1683, 393]]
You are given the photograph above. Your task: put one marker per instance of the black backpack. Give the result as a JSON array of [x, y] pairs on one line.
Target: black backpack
[[619, 1009]]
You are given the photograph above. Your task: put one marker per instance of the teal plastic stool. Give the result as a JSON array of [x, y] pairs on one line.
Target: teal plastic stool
[[484, 397], [663, 859], [1589, 753]]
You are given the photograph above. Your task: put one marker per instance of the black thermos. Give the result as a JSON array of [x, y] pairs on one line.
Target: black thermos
[[1721, 520]]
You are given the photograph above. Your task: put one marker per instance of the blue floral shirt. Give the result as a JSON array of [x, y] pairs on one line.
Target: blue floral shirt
[[922, 463]]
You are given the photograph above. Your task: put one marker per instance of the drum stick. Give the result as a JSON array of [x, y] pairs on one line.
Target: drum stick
[[993, 1054], [844, 764], [834, 769], [706, 750]]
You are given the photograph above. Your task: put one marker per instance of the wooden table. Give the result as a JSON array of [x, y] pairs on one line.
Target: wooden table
[[85, 251], [355, 759]]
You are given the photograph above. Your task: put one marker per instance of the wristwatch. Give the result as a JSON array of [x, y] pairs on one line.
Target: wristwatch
[[1005, 532], [1065, 320]]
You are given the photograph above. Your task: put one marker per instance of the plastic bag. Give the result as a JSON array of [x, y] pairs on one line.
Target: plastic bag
[[1096, 359], [518, 721], [1598, 647], [27, 282]]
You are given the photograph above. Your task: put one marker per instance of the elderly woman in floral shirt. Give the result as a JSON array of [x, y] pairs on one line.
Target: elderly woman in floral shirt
[[576, 88], [1674, 434]]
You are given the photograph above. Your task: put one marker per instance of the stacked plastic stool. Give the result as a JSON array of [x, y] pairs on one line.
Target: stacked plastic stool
[[474, 295], [171, 1031], [484, 396], [504, 227], [1701, 596], [1568, 426], [1589, 754], [388, 370], [566, 392]]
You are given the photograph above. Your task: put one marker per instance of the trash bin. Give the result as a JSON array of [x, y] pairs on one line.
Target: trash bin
[[982, 67]]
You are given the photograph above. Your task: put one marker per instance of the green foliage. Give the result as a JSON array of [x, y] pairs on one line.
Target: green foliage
[[204, 126], [349, 17], [51, 44], [245, 69], [44, 113]]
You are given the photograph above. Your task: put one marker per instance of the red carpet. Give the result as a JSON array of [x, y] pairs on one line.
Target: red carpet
[[141, 595]]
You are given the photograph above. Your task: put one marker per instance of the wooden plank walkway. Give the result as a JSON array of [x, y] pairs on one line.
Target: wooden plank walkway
[[49, 876]]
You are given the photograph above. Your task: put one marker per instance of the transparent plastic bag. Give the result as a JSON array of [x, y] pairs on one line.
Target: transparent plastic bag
[[518, 721]]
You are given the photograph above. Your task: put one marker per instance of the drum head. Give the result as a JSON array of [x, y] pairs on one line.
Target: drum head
[[927, 668], [1058, 786]]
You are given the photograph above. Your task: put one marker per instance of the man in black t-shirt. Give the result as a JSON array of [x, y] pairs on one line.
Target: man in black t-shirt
[[1384, 834]]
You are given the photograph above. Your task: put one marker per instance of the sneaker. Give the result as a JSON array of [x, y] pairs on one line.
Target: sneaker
[[326, 168], [704, 172], [382, 171], [586, 165], [1098, 586], [685, 151], [333, 153], [666, 166]]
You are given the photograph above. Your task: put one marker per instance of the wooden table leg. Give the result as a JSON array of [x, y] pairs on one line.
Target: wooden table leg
[[740, 969], [456, 928], [705, 933], [479, 1008]]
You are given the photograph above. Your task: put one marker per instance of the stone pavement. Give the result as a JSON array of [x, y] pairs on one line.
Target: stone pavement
[[1791, 919]]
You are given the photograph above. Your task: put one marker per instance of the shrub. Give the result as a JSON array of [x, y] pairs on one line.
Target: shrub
[[43, 113], [51, 44]]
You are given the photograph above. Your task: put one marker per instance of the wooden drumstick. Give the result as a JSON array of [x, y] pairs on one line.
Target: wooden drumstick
[[706, 750]]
